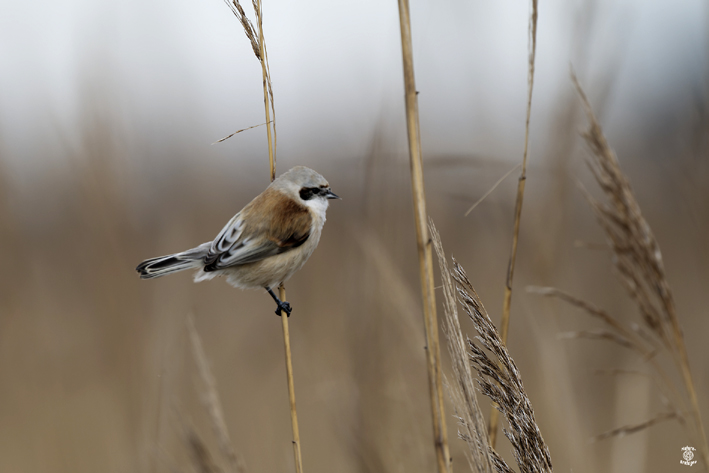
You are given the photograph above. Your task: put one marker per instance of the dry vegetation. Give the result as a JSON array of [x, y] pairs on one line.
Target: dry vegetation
[[498, 378], [100, 372], [109, 353], [638, 262], [425, 250], [519, 201]]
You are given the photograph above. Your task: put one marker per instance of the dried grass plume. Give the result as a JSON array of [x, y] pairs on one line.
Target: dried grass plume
[[497, 377]]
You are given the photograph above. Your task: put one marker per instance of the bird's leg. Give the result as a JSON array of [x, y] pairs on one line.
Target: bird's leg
[[282, 305]]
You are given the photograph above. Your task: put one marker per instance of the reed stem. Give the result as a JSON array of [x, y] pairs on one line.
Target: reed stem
[[506, 303], [262, 51], [291, 387], [297, 455], [433, 356]]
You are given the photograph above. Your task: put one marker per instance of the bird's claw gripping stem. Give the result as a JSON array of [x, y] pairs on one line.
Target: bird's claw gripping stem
[[285, 307], [282, 305]]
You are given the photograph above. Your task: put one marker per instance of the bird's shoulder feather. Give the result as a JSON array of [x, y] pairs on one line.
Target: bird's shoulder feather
[[270, 224]]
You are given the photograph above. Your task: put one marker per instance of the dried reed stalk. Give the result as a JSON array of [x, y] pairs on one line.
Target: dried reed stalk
[[507, 301], [263, 59], [268, 98], [638, 261], [501, 381], [297, 455], [471, 423], [258, 44], [433, 355], [498, 378]]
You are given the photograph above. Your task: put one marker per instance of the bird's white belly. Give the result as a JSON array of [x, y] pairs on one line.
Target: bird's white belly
[[269, 272]]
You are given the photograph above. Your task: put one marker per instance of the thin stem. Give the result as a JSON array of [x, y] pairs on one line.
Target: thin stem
[[505, 323], [262, 50], [281, 289], [433, 356], [291, 387]]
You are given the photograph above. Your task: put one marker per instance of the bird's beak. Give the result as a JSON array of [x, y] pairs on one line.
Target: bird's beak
[[332, 195]]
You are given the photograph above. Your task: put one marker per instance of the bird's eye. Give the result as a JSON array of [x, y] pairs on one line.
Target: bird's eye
[[307, 193]]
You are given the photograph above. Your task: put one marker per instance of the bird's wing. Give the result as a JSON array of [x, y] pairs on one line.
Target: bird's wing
[[270, 225]]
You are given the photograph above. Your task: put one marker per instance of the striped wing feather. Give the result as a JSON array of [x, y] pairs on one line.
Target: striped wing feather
[[270, 225]]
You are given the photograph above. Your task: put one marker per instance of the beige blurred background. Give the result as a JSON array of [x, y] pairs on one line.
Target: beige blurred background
[[107, 112]]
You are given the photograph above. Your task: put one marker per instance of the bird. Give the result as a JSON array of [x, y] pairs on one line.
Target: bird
[[265, 243]]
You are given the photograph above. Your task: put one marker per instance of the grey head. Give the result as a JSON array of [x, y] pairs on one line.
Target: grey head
[[304, 182]]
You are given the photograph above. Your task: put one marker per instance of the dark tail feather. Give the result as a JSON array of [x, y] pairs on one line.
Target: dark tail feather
[[162, 265]]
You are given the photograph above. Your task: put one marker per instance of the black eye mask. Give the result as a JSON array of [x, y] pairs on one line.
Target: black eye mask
[[307, 193]]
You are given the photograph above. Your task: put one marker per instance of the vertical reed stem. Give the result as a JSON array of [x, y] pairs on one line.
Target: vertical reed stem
[[262, 51], [505, 323], [433, 355], [291, 387], [281, 289]]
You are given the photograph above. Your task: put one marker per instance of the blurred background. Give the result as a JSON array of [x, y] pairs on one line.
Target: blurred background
[[108, 112]]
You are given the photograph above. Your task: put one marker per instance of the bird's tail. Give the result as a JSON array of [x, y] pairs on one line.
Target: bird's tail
[[162, 265]]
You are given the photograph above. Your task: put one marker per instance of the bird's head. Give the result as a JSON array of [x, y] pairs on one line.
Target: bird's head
[[309, 186]]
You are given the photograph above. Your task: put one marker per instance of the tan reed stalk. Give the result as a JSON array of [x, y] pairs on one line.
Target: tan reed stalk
[[258, 44], [297, 455], [433, 355], [265, 75], [462, 391], [507, 301], [291, 387]]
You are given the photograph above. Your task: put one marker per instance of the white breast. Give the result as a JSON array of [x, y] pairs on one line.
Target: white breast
[[319, 207]]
